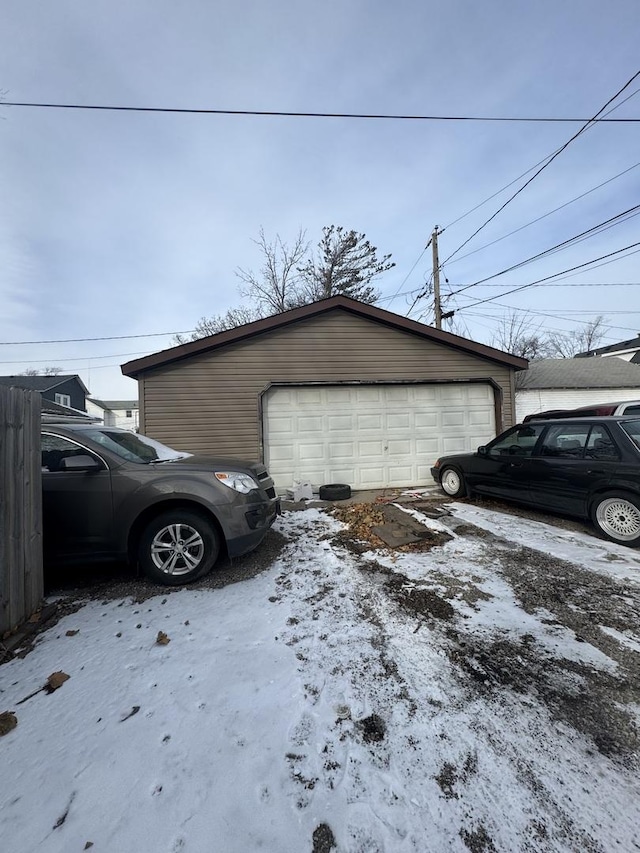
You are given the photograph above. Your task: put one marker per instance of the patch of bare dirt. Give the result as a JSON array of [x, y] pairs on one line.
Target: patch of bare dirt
[[580, 605], [361, 520]]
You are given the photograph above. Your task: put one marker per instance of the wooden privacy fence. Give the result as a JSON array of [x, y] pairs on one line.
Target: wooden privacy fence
[[21, 579]]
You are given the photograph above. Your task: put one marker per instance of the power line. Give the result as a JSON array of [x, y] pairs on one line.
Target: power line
[[82, 340], [292, 114], [562, 272], [548, 162], [590, 232], [90, 358], [608, 326], [544, 215], [404, 281], [530, 169]]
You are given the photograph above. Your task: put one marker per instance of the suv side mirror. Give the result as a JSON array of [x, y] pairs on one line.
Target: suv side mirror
[[482, 450], [82, 462]]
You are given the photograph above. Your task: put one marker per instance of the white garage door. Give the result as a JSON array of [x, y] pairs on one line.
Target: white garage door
[[372, 436]]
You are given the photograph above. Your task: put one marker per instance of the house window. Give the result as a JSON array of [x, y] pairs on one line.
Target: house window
[[63, 399], [128, 413]]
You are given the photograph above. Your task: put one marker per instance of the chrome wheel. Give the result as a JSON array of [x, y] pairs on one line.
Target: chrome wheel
[[177, 549], [452, 483], [619, 519]]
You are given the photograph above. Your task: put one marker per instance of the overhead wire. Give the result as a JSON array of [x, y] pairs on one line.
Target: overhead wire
[[305, 114], [544, 165], [530, 169], [108, 338], [563, 272], [618, 219], [544, 215]]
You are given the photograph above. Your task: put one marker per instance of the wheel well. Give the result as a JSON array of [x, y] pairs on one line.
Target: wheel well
[[451, 467], [155, 510], [604, 492]]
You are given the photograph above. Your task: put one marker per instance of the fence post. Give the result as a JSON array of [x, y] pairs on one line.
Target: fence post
[[21, 574]]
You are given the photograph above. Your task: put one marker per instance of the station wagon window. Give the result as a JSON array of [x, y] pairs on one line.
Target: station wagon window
[[632, 429], [517, 442], [600, 445], [578, 441]]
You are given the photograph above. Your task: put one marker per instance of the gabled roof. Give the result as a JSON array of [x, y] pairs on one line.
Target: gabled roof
[[110, 405], [579, 373], [316, 309], [41, 383], [623, 346]]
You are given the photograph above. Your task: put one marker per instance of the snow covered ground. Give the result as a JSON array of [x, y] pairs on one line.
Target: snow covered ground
[[480, 696]]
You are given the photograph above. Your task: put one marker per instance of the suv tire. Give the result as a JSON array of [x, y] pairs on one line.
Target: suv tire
[[178, 546]]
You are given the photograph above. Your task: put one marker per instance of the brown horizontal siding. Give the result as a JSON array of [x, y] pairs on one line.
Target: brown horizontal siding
[[210, 403]]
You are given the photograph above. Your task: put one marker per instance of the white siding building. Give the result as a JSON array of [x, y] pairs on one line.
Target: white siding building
[[118, 413], [566, 383]]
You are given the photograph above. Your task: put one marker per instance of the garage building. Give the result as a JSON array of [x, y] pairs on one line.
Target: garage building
[[335, 391]]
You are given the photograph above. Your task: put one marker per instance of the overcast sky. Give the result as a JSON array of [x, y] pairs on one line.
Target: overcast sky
[[131, 224]]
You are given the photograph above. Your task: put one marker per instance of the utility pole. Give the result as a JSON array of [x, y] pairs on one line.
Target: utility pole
[[437, 308]]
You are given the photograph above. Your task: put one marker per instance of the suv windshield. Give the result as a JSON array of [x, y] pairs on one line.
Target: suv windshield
[[134, 447]]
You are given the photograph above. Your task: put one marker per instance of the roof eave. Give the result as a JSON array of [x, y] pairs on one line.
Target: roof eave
[[278, 321]]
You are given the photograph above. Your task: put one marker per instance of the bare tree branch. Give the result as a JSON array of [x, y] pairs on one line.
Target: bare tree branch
[[275, 288]]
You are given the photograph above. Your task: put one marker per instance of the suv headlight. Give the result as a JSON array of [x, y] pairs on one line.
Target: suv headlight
[[242, 483]]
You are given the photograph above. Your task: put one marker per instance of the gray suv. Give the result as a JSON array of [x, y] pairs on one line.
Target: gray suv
[[112, 494]]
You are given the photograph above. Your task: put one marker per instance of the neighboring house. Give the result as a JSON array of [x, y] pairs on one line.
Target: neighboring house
[[565, 383], [335, 391], [69, 391], [627, 350], [120, 413]]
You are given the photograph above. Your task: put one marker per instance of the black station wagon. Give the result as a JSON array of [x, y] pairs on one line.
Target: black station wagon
[[584, 467]]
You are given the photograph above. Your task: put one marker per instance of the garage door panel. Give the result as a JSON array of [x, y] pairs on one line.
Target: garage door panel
[[311, 452], [281, 453], [282, 425], [371, 449], [453, 419], [338, 395], [368, 395], [310, 424], [398, 420], [335, 423], [398, 393], [426, 420], [372, 437], [428, 446], [370, 478], [369, 421], [345, 450], [400, 448], [341, 474], [309, 396]]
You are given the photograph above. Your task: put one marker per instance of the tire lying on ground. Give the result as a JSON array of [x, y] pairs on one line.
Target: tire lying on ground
[[334, 492]]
